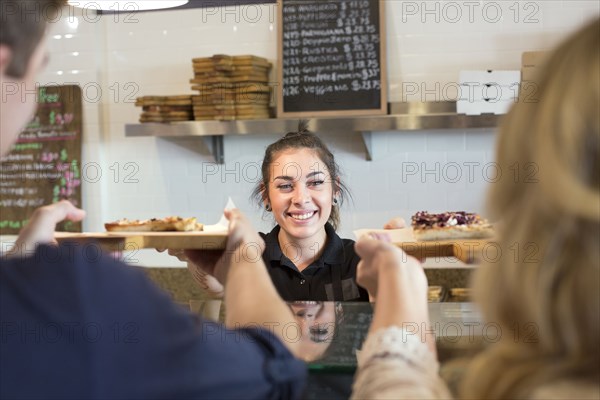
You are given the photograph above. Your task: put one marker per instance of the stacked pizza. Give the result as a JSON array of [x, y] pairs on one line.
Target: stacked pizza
[[165, 108], [231, 87]]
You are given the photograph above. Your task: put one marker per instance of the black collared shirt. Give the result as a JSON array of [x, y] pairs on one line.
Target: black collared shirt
[[332, 277]]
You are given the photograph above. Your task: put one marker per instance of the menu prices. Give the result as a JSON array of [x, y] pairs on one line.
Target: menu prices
[[331, 57], [44, 165]]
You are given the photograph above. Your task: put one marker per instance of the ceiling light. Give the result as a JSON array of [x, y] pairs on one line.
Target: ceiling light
[[73, 23], [126, 6]]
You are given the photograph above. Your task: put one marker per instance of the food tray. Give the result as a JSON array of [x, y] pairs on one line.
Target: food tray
[[124, 241]]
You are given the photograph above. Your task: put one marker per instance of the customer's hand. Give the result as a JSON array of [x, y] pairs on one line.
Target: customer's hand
[[243, 243], [395, 223], [367, 271], [41, 226], [400, 285], [379, 257]]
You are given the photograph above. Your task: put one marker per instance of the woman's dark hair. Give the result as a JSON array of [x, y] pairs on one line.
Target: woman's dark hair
[[303, 139]]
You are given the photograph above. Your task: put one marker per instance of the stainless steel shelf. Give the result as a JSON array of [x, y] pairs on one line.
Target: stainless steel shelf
[[404, 117]]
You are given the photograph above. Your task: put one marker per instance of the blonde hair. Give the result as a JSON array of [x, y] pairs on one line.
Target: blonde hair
[[543, 291]]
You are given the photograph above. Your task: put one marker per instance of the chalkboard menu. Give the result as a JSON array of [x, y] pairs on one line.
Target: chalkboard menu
[[331, 58], [44, 165]]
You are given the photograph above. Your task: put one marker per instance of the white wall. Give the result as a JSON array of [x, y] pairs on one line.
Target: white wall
[[428, 43]]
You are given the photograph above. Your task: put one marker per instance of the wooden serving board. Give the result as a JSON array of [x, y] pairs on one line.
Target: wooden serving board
[[125, 241], [467, 250]]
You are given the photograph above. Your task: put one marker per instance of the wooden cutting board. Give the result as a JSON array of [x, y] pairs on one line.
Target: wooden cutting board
[[128, 241], [467, 250]]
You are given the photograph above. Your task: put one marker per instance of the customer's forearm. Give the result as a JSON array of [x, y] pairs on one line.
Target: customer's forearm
[[252, 300], [395, 307]]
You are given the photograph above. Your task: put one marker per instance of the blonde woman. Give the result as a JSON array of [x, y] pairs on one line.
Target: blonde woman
[[545, 286]]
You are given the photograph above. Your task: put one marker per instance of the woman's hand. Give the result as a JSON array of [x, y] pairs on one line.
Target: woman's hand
[[395, 223], [41, 226], [207, 282], [243, 243]]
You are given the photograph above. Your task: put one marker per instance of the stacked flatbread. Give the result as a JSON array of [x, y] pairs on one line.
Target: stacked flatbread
[[165, 108], [231, 87]]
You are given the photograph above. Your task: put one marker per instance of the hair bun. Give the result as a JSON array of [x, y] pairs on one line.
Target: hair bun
[[303, 126], [302, 129]]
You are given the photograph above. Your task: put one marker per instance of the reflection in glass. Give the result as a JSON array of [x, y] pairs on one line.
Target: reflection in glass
[[317, 321], [329, 333]]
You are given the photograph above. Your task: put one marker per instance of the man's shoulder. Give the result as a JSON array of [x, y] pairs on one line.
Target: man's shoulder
[[63, 283], [69, 268], [70, 257]]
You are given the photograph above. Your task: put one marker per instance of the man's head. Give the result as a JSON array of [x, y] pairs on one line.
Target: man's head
[[23, 26]]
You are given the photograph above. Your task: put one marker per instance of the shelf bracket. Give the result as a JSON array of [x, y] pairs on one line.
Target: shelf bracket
[[215, 144], [211, 144], [367, 140]]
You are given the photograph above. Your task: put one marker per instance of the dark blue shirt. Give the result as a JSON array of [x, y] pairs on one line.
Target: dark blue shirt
[[331, 277], [77, 326]]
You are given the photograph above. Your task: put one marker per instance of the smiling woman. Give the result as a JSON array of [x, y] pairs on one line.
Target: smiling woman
[[301, 187]]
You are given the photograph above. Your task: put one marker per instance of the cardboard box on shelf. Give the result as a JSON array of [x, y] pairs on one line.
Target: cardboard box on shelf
[[487, 91], [484, 107], [533, 58], [490, 77], [476, 92], [531, 62], [529, 74]]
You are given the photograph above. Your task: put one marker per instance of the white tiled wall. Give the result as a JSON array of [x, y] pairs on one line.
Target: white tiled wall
[[428, 43]]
